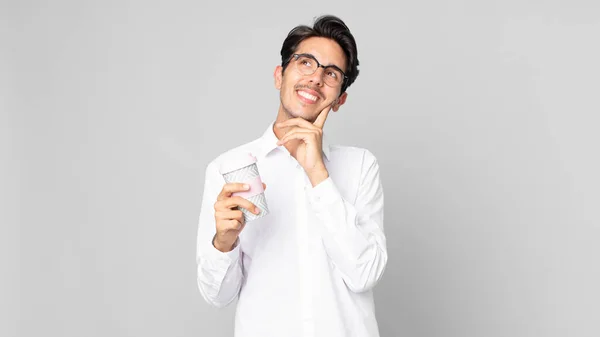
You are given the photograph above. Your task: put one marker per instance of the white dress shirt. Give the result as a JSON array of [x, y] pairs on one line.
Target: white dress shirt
[[307, 269]]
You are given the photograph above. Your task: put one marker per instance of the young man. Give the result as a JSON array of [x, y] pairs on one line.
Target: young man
[[309, 266]]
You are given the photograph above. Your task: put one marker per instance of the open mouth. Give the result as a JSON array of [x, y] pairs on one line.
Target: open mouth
[[307, 97]]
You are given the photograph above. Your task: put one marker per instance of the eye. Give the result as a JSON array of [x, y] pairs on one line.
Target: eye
[[332, 74], [306, 62]]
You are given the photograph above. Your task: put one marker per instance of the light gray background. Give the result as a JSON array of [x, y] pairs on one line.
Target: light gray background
[[484, 117]]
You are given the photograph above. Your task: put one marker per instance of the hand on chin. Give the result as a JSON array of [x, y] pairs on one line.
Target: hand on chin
[[307, 112]]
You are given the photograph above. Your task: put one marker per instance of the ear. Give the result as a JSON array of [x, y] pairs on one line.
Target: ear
[[278, 76], [339, 102]]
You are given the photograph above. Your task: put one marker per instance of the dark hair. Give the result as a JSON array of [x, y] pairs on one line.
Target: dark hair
[[330, 27]]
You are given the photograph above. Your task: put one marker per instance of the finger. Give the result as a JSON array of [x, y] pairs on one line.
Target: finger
[[313, 130], [230, 215], [294, 129], [241, 202], [307, 135], [289, 131], [299, 122], [230, 188], [304, 136], [233, 225], [320, 121], [264, 186]]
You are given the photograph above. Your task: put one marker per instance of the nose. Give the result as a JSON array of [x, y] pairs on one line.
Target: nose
[[317, 77]]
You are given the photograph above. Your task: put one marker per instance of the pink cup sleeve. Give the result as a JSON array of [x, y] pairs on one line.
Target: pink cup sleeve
[[256, 188]]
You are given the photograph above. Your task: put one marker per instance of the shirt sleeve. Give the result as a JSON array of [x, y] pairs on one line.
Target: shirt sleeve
[[219, 274], [353, 234]]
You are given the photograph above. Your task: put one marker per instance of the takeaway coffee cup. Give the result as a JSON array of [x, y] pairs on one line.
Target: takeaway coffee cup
[[242, 168]]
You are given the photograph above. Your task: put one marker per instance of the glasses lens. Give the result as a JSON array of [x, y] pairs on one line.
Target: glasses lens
[[306, 65], [333, 77]]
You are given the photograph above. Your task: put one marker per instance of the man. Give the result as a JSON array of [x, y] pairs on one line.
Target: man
[[309, 266]]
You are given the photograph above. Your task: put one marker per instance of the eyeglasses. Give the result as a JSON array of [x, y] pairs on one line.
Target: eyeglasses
[[307, 64]]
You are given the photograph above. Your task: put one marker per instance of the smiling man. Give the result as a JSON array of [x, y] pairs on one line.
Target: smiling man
[[308, 268]]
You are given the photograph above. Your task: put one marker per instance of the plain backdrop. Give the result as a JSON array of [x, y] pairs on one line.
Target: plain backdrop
[[483, 115]]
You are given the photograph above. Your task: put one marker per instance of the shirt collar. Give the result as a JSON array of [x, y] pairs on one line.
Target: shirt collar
[[268, 143]]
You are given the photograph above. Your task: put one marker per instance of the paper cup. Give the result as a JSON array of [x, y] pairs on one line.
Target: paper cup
[[243, 169]]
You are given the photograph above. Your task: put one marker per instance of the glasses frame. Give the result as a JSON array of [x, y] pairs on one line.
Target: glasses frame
[[295, 57]]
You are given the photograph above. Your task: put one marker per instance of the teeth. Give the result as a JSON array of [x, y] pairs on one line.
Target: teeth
[[307, 95]]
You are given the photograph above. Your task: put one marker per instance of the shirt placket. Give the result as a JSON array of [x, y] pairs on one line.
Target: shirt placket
[[304, 263]]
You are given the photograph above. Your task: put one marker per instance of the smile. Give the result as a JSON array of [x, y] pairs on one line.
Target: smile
[[307, 96]]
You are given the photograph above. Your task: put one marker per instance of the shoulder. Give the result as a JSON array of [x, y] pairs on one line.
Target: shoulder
[[250, 147]]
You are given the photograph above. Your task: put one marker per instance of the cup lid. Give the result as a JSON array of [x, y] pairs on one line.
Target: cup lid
[[236, 162]]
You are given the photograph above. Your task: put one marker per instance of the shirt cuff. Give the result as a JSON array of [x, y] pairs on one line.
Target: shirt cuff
[[323, 195], [223, 259], [215, 264]]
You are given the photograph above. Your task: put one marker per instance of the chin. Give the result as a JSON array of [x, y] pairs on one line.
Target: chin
[[298, 114], [306, 116]]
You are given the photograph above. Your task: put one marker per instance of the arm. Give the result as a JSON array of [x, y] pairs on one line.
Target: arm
[[219, 274], [353, 234]]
